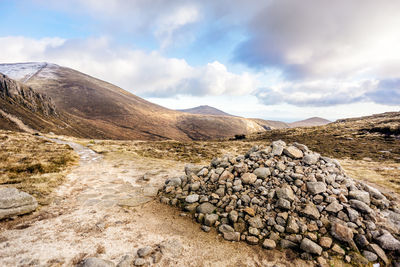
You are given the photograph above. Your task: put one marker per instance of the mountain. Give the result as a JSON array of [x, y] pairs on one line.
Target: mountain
[[314, 121], [205, 110], [92, 108], [270, 125], [265, 124], [24, 109]]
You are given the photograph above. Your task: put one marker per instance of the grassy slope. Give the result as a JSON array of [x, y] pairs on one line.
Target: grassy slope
[[33, 164]]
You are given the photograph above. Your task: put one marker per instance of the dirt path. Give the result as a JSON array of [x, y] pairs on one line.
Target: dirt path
[[106, 210]]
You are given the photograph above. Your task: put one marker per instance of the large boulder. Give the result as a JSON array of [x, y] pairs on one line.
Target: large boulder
[[15, 202]]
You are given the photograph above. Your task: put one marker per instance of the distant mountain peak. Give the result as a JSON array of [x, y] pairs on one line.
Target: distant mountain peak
[[313, 121], [206, 110]]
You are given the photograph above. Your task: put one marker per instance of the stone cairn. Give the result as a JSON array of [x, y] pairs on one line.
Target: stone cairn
[[290, 197]]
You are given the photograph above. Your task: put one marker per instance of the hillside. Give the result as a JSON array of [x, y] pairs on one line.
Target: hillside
[[270, 124], [314, 121], [93, 108], [375, 137], [205, 110]]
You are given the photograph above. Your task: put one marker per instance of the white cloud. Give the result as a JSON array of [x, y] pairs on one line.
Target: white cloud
[[326, 92], [134, 70], [168, 25], [325, 39]]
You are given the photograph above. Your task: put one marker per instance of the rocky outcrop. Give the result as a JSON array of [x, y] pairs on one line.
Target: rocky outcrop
[[14, 202], [290, 197], [13, 91]]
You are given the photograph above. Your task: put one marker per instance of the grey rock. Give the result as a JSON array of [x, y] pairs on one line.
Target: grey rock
[[191, 207], [96, 262], [195, 186], [283, 204], [334, 207], [210, 219], [370, 256], [174, 182], [277, 147], [285, 193], [281, 166], [342, 232], [388, 242], [269, 244], [190, 168], [206, 208], [353, 214], [245, 198], [224, 228], [379, 251], [361, 206], [293, 152], [360, 195], [284, 243], [262, 172], [126, 261], [206, 228], [292, 226], [252, 240], [316, 187], [311, 211], [256, 222], [375, 193], [279, 228], [311, 247], [15, 202], [248, 178], [220, 191], [254, 231], [232, 236], [192, 198], [203, 172], [361, 240], [233, 216], [311, 159], [144, 251]]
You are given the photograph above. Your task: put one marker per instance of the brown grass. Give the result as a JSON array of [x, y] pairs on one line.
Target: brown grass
[[33, 164], [356, 139], [386, 175]]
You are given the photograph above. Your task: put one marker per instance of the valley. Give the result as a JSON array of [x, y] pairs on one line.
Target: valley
[[95, 158]]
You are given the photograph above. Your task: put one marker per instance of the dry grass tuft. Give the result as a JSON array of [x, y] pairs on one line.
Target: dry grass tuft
[[33, 164]]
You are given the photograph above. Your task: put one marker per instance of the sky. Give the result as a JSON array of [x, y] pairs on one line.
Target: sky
[[272, 59]]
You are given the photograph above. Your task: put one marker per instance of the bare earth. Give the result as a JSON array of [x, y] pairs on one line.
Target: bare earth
[[105, 209]]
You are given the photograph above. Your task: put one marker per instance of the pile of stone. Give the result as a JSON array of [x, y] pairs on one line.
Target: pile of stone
[[290, 197]]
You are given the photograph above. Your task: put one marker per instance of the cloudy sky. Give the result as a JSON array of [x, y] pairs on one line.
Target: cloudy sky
[[272, 59]]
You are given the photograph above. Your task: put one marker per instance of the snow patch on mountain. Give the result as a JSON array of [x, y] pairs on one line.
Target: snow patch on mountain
[[25, 71]]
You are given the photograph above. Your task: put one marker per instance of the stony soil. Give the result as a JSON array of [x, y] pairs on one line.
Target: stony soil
[[107, 210]]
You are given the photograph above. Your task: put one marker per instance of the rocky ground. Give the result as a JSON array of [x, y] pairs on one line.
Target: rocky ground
[[107, 209], [288, 196]]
